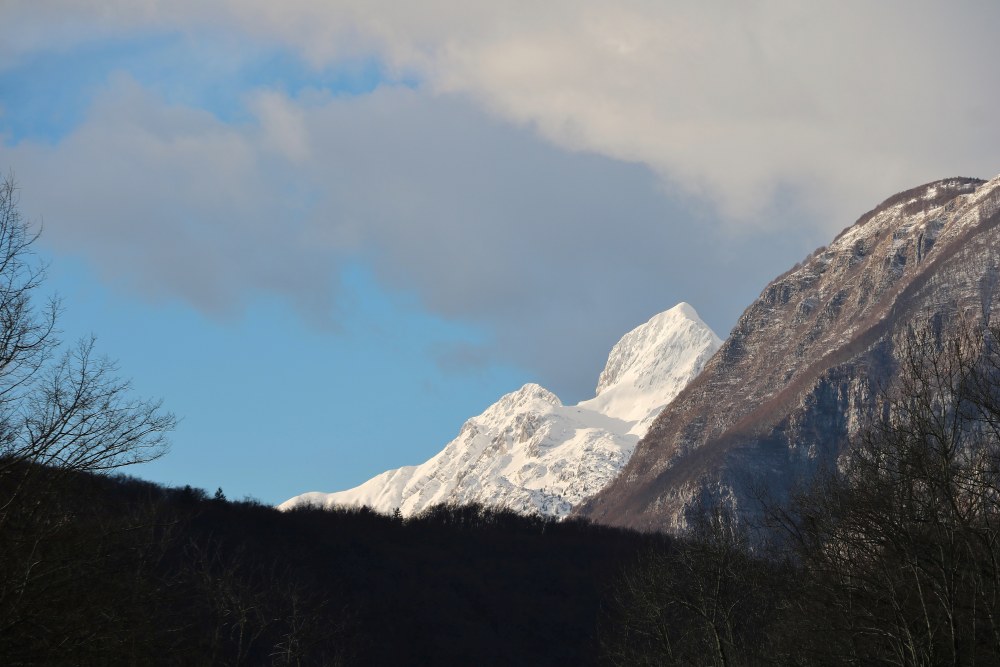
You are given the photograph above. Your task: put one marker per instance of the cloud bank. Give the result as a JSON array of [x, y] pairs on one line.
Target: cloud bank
[[551, 162], [730, 100]]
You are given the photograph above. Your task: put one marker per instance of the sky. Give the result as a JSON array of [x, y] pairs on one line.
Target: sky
[[326, 232]]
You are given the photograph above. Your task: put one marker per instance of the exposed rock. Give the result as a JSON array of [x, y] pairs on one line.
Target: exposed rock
[[796, 377]]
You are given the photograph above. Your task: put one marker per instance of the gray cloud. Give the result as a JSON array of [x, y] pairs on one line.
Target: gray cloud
[[564, 171], [170, 201], [556, 253], [836, 102]]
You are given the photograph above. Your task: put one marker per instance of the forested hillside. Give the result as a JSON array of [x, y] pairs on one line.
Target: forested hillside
[[115, 570]]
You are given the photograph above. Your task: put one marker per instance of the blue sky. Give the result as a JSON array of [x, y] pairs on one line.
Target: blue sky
[[48, 94], [266, 402], [327, 233]]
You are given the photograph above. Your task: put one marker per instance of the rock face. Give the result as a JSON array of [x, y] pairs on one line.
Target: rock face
[[795, 379], [530, 453]]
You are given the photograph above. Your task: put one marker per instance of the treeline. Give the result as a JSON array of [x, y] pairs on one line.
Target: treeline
[[890, 559], [112, 570]]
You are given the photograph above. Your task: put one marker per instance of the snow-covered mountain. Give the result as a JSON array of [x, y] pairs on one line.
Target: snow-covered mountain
[[531, 453]]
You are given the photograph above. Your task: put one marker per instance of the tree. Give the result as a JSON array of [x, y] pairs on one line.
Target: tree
[[67, 410], [704, 600], [64, 412], [894, 554], [900, 548]]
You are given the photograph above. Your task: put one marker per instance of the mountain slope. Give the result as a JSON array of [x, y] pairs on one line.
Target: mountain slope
[[795, 379], [531, 453]]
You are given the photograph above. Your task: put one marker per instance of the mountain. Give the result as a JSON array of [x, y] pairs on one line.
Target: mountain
[[796, 378], [531, 453]]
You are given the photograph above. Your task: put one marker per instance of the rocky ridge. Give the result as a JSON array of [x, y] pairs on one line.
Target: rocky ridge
[[795, 379]]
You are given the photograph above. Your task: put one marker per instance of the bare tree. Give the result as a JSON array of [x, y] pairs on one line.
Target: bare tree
[[63, 412], [895, 553], [704, 600], [66, 411], [899, 548]]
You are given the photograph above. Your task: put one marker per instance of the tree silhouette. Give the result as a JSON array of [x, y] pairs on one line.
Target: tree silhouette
[[63, 412], [900, 548]]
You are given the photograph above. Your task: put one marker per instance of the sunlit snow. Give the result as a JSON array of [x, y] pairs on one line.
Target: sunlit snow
[[530, 453]]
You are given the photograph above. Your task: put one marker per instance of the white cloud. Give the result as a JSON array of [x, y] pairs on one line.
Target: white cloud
[[832, 102]]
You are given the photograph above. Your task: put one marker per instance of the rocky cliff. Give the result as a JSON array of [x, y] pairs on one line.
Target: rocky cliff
[[795, 379]]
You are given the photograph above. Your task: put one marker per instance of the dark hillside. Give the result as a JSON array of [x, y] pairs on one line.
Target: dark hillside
[[127, 571]]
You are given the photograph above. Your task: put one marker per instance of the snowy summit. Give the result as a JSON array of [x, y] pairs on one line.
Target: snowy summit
[[530, 453]]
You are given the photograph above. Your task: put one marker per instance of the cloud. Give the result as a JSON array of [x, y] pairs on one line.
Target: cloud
[[173, 202], [556, 160], [463, 357], [732, 101], [478, 219]]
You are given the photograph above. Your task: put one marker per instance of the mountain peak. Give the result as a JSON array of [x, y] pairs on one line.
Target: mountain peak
[[683, 308], [532, 391], [654, 360], [531, 396], [530, 453]]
